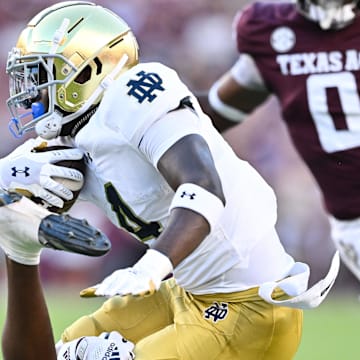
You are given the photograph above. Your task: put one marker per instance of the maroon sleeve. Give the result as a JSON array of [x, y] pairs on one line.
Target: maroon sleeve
[[254, 24], [245, 26], [252, 27]]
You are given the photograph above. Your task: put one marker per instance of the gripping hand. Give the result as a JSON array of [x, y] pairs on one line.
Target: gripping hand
[[27, 228], [32, 173], [144, 278]]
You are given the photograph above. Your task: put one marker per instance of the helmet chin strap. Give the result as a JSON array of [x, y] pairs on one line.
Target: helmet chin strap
[[49, 127], [56, 40]]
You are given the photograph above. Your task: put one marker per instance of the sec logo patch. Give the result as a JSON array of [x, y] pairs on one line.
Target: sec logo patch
[[282, 39]]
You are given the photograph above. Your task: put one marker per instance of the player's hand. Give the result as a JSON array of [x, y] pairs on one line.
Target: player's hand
[[123, 282], [31, 173], [105, 346], [144, 278]]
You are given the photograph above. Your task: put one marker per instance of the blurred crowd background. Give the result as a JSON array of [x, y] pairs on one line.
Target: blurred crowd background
[[195, 38]]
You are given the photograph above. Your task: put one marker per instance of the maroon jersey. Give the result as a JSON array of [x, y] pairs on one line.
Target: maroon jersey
[[316, 77]]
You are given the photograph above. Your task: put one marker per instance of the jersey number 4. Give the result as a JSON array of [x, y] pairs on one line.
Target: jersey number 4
[[128, 220]]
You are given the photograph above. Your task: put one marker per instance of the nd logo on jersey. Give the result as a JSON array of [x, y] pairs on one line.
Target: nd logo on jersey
[[143, 88], [216, 311]]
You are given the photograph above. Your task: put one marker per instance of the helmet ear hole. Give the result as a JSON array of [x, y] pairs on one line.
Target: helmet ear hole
[[84, 76]]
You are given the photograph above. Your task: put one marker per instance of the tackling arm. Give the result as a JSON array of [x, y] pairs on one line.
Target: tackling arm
[[28, 333], [235, 95]]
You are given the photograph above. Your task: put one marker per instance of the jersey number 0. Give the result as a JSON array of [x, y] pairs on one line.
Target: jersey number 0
[[333, 139]]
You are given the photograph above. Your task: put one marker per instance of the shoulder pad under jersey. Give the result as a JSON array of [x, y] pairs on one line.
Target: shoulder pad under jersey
[[141, 96]]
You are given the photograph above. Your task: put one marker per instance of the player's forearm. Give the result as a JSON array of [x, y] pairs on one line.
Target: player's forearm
[[27, 334], [198, 201], [184, 233]]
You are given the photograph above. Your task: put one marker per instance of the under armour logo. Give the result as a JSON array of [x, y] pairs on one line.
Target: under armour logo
[[191, 196], [143, 88], [15, 171], [216, 311]]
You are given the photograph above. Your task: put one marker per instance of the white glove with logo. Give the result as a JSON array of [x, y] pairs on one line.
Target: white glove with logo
[[32, 172], [144, 278], [111, 346]]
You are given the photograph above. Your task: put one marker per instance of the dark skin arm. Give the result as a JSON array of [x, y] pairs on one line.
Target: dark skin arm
[[28, 333], [235, 95], [188, 161]]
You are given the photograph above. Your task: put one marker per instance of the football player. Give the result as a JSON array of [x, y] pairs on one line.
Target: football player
[[305, 53], [159, 169]]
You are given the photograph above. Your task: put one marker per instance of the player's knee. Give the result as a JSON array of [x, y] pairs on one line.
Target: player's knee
[[84, 326]]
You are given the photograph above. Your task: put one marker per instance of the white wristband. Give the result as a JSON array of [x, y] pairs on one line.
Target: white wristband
[[196, 198], [227, 111]]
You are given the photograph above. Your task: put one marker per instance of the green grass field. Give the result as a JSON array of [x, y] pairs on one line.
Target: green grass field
[[331, 332]]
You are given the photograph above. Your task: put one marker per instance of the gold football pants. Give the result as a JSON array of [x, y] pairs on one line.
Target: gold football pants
[[173, 324]]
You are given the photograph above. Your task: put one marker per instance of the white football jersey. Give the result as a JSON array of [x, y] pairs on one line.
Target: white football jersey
[[123, 142]]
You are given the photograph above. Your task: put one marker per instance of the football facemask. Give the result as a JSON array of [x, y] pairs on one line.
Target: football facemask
[[329, 14], [70, 52]]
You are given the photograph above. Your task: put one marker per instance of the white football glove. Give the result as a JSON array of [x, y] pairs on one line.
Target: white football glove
[[144, 278], [27, 228], [31, 172], [105, 346], [19, 222]]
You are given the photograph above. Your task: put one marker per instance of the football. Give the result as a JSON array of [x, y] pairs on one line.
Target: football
[[74, 186]]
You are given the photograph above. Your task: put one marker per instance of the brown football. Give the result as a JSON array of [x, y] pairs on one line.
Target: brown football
[[74, 186]]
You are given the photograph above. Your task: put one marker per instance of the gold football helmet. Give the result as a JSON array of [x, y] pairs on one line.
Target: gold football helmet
[[62, 63], [329, 14]]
